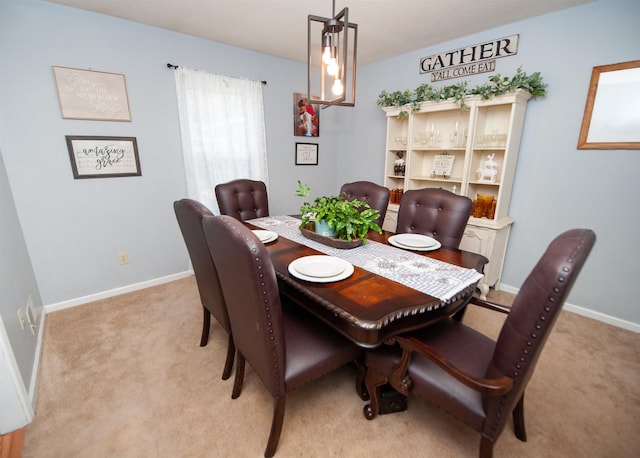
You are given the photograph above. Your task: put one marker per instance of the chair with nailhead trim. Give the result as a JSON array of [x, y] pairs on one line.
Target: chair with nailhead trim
[[370, 193], [435, 212], [285, 346], [190, 214], [478, 381], [243, 199]]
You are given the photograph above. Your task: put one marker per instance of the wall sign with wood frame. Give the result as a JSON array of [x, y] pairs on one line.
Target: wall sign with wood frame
[[86, 94], [103, 157], [612, 112]]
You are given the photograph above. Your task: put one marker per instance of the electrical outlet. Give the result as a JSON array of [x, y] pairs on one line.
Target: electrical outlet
[[124, 258], [21, 318]]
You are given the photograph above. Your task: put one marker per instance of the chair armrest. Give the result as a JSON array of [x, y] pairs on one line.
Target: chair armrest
[[492, 387], [489, 305]]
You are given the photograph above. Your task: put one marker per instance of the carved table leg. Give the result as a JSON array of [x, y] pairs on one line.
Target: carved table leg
[[373, 381]]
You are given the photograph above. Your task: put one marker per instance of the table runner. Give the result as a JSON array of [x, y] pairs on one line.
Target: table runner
[[430, 276]]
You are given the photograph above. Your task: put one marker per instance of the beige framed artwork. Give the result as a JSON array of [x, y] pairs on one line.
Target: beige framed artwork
[[612, 111], [87, 94]]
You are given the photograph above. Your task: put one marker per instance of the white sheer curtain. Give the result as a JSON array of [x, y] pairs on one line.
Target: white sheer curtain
[[223, 133]]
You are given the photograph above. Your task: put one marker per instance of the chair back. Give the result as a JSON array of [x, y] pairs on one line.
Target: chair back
[[190, 214], [253, 299], [533, 314], [243, 199], [370, 193], [437, 213]]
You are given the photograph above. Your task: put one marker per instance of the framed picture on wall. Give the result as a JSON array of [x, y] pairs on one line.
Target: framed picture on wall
[[103, 157], [87, 94], [306, 154], [611, 115], [306, 116]]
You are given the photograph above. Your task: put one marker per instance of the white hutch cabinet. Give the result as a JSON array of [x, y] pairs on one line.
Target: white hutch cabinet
[[471, 152]]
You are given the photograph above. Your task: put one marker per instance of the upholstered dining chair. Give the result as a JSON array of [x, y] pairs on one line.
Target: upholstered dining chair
[[460, 370], [435, 212], [190, 214], [243, 199], [284, 346], [370, 193]]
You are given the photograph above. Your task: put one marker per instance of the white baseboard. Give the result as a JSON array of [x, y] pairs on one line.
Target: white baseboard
[[33, 383], [114, 292], [608, 319]]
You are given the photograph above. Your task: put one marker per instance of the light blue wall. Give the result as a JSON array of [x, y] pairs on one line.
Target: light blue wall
[[17, 282], [557, 187], [75, 228]]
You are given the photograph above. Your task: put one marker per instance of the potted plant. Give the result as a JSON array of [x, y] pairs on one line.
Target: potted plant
[[348, 220]]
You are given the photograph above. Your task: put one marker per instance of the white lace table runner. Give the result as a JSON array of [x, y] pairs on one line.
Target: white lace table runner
[[430, 276]]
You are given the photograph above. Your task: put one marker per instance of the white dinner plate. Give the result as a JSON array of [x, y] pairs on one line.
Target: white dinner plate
[[266, 236], [416, 242], [320, 268]]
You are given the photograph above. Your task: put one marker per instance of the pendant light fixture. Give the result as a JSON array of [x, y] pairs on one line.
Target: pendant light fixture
[[335, 59]]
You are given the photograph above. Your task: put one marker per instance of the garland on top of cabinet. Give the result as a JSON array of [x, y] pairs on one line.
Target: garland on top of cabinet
[[497, 85]]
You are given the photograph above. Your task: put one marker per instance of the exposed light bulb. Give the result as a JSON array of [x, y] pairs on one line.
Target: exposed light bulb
[[326, 55], [337, 87], [332, 68]]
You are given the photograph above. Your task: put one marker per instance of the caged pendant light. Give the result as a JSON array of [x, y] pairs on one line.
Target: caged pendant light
[[336, 59]]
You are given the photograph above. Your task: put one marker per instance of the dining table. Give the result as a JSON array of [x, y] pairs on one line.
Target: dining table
[[387, 290]]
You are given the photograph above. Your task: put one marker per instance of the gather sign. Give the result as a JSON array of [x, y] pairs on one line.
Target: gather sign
[[471, 60]]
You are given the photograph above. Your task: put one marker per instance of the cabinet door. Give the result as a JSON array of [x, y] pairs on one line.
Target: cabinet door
[[391, 219], [489, 242]]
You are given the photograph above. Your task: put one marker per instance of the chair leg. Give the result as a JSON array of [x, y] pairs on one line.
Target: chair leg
[[228, 364], [276, 427], [486, 448], [518, 420], [206, 324], [237, 384], [373, 381]]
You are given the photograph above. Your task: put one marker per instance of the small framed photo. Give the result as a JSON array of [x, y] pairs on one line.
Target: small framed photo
[[306, 153], [306, 116], [103, 157]]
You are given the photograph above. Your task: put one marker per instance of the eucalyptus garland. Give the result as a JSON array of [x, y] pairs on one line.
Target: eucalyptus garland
[[497, 85]]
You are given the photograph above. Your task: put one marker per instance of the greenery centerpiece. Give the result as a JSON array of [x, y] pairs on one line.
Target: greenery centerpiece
[[349, 219]]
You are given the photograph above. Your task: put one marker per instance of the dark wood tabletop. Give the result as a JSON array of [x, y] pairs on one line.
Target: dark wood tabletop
[[366, 307]]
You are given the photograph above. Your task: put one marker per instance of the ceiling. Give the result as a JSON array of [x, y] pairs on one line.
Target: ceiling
[[386, 28]]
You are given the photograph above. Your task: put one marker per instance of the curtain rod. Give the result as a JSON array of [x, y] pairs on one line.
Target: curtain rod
[[174, 67]]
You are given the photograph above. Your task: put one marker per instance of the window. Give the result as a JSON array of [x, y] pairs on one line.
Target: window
[[223, 132]]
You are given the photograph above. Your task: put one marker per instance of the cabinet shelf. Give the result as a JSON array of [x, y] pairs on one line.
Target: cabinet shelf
[[483, 142]]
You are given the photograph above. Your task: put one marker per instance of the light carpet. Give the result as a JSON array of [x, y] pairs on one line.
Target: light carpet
[[125, 377]]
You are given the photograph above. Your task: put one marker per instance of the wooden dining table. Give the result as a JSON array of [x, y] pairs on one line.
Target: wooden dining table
[[367, 307]]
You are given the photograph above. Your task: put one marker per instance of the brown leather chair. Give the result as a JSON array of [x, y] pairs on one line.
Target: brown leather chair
[[285, 347], [189, 214], [243, 199], [465, 373], [373, 194], [437, 213]]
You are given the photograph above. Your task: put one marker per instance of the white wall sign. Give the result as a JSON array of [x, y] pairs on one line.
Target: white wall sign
[[479, 58], [87, 94]]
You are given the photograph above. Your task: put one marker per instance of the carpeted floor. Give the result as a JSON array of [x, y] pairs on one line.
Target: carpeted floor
[[125, 377]]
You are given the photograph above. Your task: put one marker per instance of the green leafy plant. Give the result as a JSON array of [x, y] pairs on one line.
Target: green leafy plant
[[497, 85], [350, 219]]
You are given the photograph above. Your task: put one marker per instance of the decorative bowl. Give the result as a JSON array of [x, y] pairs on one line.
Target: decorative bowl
[[309, 232]]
